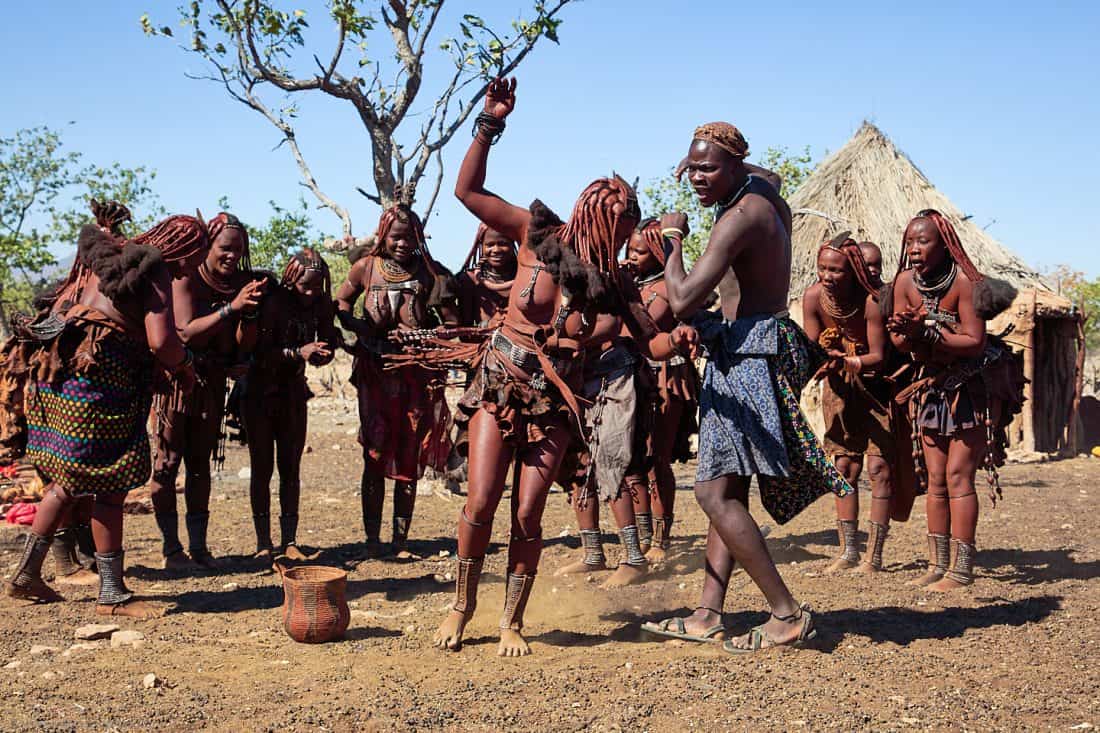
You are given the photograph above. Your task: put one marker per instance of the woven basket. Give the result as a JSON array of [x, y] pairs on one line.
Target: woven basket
[[315, 609]]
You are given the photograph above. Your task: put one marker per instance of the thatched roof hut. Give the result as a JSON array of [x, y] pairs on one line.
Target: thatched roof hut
[[873, 189]]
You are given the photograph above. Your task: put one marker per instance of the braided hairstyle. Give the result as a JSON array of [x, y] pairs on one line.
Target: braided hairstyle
[[473, 259], [949, 237], [177, 237], [404, 213], [848, 247], [302, 262], [110, 215], [591, 229], [650, 232], [224, 220]]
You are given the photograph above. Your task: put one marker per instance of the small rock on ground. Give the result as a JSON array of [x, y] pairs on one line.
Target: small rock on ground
[[127, 638], [91, 632]]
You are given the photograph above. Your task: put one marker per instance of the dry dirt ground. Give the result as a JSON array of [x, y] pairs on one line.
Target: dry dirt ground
[[1017, 651]]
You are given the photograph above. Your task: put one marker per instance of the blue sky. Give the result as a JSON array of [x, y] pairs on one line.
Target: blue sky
[[996, 102]]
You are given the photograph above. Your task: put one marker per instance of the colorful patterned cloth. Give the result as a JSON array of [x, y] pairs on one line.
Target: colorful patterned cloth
[[751, 423], [86, 426]]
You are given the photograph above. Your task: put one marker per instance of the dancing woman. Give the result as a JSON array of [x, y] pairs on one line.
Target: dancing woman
[[521, 400]]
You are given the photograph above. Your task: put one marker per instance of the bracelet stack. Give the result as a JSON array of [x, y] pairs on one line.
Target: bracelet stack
[[933, 334], [489, 126], [672, 232], [225, 311]]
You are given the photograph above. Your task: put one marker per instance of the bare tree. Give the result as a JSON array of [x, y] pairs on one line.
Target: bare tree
[[257, 52]]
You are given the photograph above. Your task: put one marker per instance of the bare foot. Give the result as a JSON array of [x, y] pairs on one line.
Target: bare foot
[[294, 554], [579, 567], [512, 644], [646, 547], [656, 555], [406, 556], [37, 591], [178, 560], [840, 565], [927, 579], [867, 568], [946, 585], [265, 555], [80, 577], [626, 574], [138, 610], [449, 635]]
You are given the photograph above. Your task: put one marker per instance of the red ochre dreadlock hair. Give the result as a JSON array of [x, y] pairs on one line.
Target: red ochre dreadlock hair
[[402, 212], [474, 257], [224, 220], [302, 262], [951, 240], [177, 237], [591, 228], [848, 247], [650, 232]]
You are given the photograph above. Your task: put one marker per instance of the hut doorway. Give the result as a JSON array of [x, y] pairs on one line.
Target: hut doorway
[[1052, 384]]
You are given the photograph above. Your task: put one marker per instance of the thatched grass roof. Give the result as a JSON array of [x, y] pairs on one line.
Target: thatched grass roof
[[873, 189]]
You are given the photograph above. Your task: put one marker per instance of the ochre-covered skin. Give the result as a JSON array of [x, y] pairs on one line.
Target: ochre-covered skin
[[403, 413], [935, 320]]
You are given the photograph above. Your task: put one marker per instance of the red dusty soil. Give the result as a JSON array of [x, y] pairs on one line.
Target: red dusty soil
[[1016, 651]]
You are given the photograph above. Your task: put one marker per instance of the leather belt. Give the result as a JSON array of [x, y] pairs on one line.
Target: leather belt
[[526, 360]]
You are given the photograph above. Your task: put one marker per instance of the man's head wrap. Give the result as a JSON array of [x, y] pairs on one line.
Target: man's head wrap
[[725, 136], [219, 224]]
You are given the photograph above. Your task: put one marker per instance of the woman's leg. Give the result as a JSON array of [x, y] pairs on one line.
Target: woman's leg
[[26, 583], [965, 453], [662, 479], [586, 508], [934, 447], [115, 599], [171, 436], [260, 429], [204, 434], [847, 515], [291, 443], [539, 466], [633, 566], [489, 462], [882, 491]]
